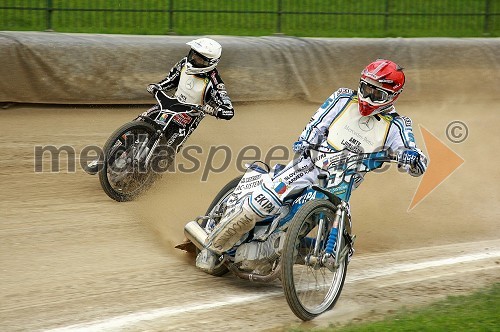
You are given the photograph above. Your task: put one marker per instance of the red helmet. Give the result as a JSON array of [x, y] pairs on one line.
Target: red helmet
[[380, 85]]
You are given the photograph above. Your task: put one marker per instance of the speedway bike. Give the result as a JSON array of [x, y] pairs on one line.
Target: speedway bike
[[307, 245], [136, 154]]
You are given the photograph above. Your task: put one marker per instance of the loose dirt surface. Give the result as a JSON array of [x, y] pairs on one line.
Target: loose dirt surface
[[72, 259]]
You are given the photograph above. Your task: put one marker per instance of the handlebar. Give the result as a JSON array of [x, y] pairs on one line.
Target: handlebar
[[196, 110], [378, 156], [335, 161], [174, 106]]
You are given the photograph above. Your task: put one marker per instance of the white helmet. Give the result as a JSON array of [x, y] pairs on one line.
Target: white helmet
[[203, 56]]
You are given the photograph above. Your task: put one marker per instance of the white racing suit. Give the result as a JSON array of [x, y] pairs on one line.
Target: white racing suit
[[336, 125]]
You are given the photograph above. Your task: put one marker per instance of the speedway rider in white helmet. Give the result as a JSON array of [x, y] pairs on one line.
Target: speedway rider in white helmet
[[361, 121], [197, 81]]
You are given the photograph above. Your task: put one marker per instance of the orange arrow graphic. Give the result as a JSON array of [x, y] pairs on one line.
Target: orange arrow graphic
[[442, 163]]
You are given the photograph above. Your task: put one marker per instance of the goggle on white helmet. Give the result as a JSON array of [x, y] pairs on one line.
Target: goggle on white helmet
[[203, 56]]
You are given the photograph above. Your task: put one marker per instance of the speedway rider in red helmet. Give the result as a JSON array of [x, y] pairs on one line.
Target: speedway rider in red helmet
[[366, 119], [360, 121]]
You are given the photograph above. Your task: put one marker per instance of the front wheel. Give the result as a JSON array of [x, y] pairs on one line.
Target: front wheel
[[310, 287], [123, 175]]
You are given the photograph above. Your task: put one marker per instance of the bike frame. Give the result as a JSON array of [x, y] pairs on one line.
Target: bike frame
[[163, 119], [335, 184]]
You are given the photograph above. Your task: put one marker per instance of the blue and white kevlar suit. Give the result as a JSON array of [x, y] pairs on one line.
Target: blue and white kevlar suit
[[336, 125]]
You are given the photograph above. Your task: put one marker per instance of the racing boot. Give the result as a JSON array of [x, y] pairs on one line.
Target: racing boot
[[206, 261]]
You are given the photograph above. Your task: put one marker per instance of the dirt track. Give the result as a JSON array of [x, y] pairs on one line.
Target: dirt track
[[71, 258]]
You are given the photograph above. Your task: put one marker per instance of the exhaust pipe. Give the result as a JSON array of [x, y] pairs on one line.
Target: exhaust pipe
[[196, 234]]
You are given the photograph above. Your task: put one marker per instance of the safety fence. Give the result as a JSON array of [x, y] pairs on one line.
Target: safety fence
[[303, 18]]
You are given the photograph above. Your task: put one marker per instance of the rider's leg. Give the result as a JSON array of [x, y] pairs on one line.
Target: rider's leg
[[251, 209], [251, 206], [241, 216]]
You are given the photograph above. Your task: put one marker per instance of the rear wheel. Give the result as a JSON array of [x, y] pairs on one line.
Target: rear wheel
[[217, 208], [123, 175], [310, 287]]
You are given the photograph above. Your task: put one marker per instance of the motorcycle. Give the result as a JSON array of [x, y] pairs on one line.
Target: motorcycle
[[307, 245], [136, 154]]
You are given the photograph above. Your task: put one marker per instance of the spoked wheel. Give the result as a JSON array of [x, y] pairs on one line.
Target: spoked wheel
[[310, 287], [123, 175], [216, 209]]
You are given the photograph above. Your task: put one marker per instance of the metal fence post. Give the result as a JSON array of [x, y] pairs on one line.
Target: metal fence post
[[278, 17], [487, 15], [171, 18], [48, 16], [386, 17]]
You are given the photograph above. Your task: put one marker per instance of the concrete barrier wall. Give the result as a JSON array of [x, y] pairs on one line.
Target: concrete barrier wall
[[38, 67]]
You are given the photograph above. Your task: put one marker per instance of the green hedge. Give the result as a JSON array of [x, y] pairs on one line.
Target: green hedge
[[303, 18]]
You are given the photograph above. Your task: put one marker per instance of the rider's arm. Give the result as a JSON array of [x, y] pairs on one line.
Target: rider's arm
[[217, 97], [173, 77], [402, 142], [316, 131]]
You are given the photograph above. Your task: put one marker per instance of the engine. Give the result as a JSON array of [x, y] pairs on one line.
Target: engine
[[259, 256]]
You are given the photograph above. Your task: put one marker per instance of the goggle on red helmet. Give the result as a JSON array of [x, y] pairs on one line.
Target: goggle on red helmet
[[380, 85]]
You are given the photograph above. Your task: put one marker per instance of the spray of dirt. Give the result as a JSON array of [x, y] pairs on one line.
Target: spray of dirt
[[379, 206]]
